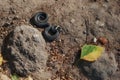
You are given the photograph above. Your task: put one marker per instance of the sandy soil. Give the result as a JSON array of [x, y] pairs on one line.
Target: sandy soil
[[102, 17]]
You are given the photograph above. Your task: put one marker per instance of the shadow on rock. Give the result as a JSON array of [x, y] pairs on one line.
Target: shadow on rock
[[81, 63], [102, 69], [6, 52]]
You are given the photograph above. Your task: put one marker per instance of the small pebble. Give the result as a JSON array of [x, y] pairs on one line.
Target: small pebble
[[103, 40], [72, 20], [100, 23], [95, 40]]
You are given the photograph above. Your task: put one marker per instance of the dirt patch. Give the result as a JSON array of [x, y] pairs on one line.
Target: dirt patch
[[81, 21]]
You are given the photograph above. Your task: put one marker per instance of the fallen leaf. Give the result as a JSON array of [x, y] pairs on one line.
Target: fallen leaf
[[29, 78], [14, 77], [1, 59], [91, 52]]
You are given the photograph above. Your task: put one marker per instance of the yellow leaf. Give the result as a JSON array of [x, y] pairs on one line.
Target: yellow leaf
[[29, 78], [1, 59], [94, 54]]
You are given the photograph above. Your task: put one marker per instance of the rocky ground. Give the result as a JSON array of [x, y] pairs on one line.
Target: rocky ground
[[81, 21]]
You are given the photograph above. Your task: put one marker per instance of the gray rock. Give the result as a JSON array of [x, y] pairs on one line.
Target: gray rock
[[25, 47], [102, 69]]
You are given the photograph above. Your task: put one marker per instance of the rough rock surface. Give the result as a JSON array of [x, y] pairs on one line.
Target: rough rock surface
[[102, 69], [25, 51]]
